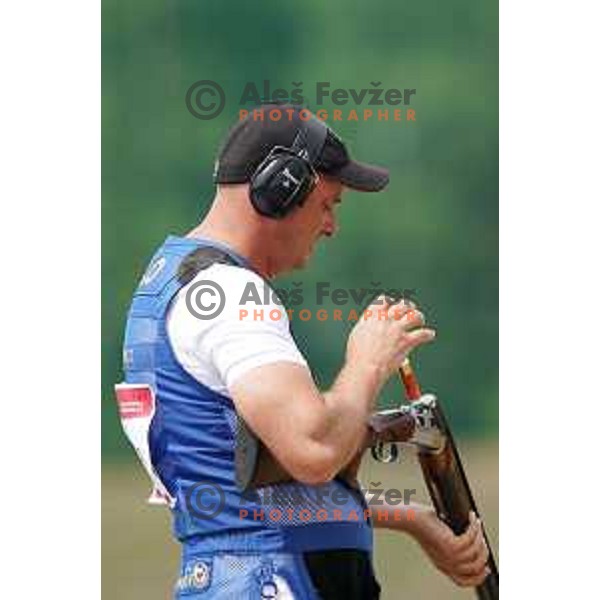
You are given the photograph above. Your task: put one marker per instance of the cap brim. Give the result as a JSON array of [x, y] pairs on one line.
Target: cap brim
[[362, 177]]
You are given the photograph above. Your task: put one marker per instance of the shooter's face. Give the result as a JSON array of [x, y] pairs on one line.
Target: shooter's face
[[314, 219]]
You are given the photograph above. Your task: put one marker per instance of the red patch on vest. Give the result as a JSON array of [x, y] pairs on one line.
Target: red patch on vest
[[134, 401]]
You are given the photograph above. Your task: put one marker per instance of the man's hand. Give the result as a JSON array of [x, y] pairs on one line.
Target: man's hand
[[462, 557], [386, 334]]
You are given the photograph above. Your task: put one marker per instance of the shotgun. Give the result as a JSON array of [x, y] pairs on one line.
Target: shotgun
[[440, 462], [421, 423]]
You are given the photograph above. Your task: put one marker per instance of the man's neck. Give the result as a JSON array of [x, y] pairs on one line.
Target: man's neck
[[243, 246]]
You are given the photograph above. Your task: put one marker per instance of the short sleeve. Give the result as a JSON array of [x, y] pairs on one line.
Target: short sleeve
[[251, 330]]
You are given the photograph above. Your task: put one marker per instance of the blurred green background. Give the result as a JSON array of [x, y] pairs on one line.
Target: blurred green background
[[434, 229]]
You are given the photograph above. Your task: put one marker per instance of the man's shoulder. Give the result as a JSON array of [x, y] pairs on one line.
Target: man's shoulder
[[222, 293], [236, 280]]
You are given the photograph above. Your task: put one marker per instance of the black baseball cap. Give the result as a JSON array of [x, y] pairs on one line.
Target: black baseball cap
[[251, 139]]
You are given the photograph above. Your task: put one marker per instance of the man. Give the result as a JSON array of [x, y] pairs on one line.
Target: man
[[197, 368]]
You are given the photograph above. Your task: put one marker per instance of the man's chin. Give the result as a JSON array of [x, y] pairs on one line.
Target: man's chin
[[302, 262]]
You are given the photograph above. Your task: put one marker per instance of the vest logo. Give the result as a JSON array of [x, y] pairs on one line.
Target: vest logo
[[153, 270], [196, 577], [289, 178]]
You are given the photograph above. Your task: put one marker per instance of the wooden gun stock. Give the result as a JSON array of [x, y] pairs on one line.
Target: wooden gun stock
[[257, 467], [447, 483]]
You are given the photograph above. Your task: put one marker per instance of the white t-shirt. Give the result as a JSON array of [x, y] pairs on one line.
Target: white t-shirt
[[251, 330]]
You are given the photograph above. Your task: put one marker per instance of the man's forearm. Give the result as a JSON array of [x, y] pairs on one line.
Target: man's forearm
[[401, 517], [349, 403]]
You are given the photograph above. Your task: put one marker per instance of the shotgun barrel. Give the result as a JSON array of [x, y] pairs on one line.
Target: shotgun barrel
[[447, 482]]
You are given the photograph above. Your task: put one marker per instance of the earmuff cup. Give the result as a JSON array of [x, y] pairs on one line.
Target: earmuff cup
[[281, 182], [286, 177]]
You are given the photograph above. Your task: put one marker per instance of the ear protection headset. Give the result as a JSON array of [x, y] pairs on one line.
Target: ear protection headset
[[286, 177]]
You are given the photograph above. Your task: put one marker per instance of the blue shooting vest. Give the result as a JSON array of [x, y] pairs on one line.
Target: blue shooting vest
[[192, 442]]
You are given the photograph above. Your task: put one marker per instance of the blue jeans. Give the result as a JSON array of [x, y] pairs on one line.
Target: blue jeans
[[244, 576]]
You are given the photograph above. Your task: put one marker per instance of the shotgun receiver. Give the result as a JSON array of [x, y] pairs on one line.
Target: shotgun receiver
[[441, 465]]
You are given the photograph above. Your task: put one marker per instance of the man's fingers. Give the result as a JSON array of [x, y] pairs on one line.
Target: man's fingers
[[474, 556], [477, 565], [382, 302], [419, 336], [411, 319], [471, 581], [476, 548], [466, 556], [466, 540], [400, 309]]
